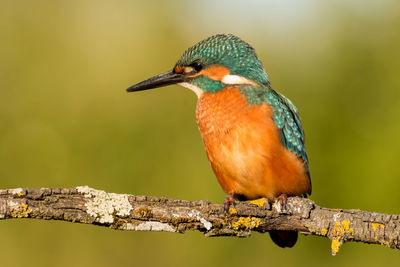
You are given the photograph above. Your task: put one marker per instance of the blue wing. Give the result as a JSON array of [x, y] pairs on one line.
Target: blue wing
[[288, 122]]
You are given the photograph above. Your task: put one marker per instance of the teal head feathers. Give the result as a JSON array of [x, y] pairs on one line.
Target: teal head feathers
[[210, 65], [228, 51]]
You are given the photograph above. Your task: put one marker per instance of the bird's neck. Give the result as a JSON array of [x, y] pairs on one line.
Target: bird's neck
[[217, 113]]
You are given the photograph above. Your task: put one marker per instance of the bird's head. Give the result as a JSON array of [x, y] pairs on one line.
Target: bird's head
[[210, 65]]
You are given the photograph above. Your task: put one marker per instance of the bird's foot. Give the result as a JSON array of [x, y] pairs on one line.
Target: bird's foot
[[227, 202], [282, 199], [280, 202]]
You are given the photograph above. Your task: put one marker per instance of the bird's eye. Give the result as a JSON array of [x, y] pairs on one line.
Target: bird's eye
[[197, 66], [194, 67]]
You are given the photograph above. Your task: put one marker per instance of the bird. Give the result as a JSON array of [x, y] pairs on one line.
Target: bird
[[252, 134]]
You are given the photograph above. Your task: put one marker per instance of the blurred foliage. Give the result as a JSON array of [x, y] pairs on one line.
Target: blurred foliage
[[67, 121]]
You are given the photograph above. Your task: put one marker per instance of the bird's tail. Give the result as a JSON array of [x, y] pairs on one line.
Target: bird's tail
[[284, 239]]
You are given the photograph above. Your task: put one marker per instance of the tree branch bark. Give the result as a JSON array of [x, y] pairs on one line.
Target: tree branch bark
[[144, 213]]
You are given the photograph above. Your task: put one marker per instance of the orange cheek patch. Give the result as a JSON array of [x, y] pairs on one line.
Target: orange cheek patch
[[215, 72]]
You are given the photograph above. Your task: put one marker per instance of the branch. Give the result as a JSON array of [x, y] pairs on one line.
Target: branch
[[143, 213]]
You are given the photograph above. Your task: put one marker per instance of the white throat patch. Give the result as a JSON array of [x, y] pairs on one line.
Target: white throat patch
[[197, 90]]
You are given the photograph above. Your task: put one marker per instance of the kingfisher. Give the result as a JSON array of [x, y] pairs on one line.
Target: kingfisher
[[252, 134]]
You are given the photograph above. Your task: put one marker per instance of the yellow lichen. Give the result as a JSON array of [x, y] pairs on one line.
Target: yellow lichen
[[20, 211], [335, 245], [145, 212], [324, 231], [246, 223], [385, 243], [232, 211], [376, 225], [382, 242], [259, 202], [342, 228], [340, 232]]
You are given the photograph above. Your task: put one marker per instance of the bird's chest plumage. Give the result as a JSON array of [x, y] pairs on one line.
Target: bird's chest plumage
[[243, 146]]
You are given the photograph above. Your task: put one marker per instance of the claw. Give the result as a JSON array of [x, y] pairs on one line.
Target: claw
[[282, 199], [227, 202]]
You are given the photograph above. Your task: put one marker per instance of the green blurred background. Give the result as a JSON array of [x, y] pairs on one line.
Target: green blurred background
[[66, 119]]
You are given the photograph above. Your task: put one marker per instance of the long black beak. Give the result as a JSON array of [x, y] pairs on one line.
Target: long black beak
[[164, 79]]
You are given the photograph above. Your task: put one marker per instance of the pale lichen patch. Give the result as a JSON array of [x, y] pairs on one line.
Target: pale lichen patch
[[294, 207], [207, 224], [336, 216], [196, 214], [16, 191], [104, 206], [150, 226], [277, 206]]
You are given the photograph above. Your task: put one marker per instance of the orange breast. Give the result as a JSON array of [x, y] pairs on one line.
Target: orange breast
[[243, 146]]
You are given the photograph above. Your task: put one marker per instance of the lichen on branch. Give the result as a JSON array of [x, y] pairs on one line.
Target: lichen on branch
[[145, 213]]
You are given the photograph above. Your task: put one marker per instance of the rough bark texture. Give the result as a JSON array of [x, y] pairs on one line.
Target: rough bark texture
[[144, 213]]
